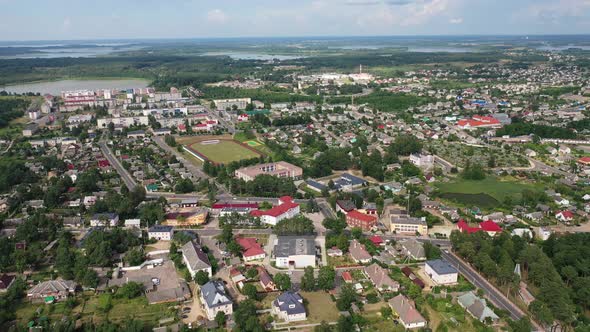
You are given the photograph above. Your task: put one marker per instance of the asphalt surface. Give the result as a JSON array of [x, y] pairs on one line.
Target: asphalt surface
[[125, 176]]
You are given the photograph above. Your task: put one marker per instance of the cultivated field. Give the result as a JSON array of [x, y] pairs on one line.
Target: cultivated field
[[219, 150]]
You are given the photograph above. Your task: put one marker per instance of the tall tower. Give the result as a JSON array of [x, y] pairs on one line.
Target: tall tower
[[360, 69]]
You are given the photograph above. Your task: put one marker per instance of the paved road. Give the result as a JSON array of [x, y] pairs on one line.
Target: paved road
[[493, 294], [195, 171], [108, 154]]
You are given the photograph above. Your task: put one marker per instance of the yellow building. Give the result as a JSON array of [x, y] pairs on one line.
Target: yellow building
[[408, 225]]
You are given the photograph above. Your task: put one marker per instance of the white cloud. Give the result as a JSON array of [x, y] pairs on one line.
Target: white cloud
[[217, 16], [423, 11], [457, 20]]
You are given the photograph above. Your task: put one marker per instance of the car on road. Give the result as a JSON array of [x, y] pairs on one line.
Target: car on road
[[184, 316], [186, 309], [446, 251]]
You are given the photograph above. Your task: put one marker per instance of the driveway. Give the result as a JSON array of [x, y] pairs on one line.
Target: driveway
[[197, 313]]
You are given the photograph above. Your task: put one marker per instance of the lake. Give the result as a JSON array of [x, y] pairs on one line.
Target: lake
[[253, 56], [56, 87]]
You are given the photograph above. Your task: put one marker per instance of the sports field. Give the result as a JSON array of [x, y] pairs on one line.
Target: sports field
[[222, 151]]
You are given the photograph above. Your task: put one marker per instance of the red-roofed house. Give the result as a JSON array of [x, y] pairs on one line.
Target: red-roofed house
[[363, 221], [103, 163], [377, 240], [251, 249], [465, 228], [286, 209], [490, 227], [347, 277], [565, 215], [584, 161]]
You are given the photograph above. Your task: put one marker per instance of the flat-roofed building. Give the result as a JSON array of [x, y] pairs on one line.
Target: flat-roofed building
[[279, 169], [408, 225], [295, 251]]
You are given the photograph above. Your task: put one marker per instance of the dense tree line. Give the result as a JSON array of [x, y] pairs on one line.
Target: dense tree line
[[292, 120], [543, 131], [263, 185], [391, 102], [12, 108], [299, 225], [14, 172]]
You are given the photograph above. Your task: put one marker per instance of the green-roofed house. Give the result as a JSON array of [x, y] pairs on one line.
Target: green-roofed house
[[151, 187]]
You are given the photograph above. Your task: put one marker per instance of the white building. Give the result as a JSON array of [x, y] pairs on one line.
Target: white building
[[298, 252], [285, 210], [195, 259], [133, 223], [104, 219], [161, 232], [441, 272], [289, 307], [422, 161], [214, 299], [122, 122]]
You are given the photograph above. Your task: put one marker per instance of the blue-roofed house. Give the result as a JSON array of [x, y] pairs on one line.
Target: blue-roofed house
[[289, 307], [161, 232], [441, 272], [214, 299]]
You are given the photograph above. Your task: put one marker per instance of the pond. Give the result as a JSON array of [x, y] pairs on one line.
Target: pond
[[56, 87]]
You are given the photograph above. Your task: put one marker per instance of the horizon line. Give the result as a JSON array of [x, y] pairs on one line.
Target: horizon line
[[290, 37]]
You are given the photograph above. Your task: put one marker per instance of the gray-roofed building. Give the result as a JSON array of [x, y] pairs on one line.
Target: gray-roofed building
[[195, 259], [347, 182], [477, 307], [358, 252], [408, 225], [214, 299], [380, 278], [345, 206], [295, 251], [54, 289], [405, 310], [161, 232], [314, 185], [412, 249], [289, 307], [441, 272]]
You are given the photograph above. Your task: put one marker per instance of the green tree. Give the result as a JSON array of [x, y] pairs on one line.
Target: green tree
[[201, 278], [250, 291], [282, 281], [308, 282], [326, 277]]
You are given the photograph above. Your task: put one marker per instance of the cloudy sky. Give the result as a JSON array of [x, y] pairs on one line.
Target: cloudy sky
[[109, 19]]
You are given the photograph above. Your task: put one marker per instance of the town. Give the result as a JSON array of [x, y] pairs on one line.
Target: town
[[432, 199]]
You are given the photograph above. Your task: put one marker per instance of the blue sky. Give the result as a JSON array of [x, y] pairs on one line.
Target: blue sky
[[110, 19]]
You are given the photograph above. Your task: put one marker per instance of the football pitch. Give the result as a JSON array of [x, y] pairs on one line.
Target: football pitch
[[223, 151]]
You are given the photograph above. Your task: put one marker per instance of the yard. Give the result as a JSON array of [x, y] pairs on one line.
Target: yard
[[320, 307], [88, 307]]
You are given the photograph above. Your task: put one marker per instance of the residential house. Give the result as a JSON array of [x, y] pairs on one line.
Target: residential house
[[104, 219], [477, 307], [215, 299], [266, 280], [345, 206], [195, 259], [380, 278], [412, 249], [405, 310], [565, 216], [289, 307], [251, 249], [5, 282], [51, 291], [358, 252]]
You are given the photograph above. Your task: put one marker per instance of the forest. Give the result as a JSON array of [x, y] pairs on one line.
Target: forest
[[557, 272], [521, 128]]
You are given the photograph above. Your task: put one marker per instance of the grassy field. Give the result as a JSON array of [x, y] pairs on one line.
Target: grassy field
[[223, 152], [486, 193], [320, 307]]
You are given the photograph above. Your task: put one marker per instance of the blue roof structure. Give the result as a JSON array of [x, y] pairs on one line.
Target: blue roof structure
[[346, 180], [441, 267], [315, 184], [160, 228], [291, 303]]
